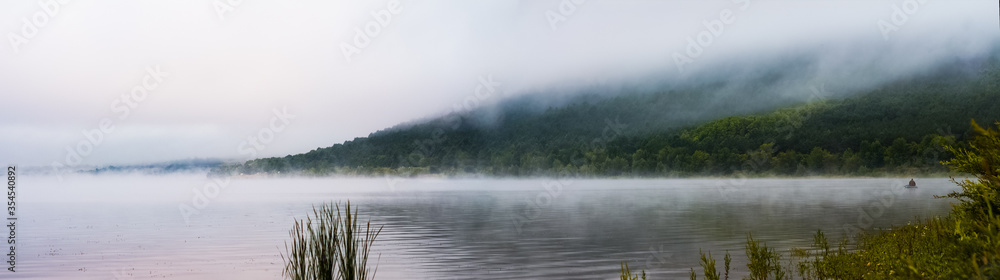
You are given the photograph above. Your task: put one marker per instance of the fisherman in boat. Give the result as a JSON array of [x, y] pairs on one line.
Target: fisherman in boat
[[912, 183]]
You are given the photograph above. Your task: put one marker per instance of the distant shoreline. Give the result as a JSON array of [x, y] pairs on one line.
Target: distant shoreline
[[594, 177]]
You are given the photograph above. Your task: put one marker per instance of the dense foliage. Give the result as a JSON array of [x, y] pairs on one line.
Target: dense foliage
[[898, 127]]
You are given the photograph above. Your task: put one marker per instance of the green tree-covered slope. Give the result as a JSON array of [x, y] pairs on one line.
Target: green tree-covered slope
[[897, 127]]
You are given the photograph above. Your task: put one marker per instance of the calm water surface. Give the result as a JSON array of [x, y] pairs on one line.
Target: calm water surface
[[130, 227]]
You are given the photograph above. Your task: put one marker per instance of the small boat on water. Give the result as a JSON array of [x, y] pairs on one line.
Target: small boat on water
[[912, 184]]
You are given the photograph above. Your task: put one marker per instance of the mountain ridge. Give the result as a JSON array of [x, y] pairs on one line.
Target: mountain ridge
[[681, 131]]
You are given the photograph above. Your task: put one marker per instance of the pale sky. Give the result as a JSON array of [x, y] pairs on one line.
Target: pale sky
[[226, 66]]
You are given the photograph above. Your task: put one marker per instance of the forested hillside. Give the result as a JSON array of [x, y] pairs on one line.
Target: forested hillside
[[896, 128]]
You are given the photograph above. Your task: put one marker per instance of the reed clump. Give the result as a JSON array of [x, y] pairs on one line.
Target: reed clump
[[330, 244], [627, 273]]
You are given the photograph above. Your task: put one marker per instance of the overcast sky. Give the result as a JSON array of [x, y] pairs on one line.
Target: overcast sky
[[225, 66]]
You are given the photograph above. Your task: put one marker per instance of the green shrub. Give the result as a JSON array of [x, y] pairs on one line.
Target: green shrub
[[763, 261]]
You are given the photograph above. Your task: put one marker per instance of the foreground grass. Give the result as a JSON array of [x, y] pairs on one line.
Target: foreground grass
[[963, 245], [330, 245]]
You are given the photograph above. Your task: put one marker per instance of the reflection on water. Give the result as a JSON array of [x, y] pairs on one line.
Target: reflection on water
[[130, 227]]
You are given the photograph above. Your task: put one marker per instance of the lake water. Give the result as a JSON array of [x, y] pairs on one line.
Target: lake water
[[130, 226]]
